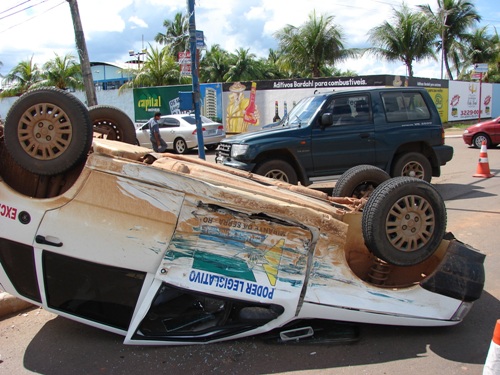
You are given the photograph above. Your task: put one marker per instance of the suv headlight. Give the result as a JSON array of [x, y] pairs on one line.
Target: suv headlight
[[237, 150]]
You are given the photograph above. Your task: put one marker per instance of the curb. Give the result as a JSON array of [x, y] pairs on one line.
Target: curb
[[10, 304]]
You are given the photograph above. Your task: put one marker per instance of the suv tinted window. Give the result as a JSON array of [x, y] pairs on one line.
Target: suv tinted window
[[405, 106], [347, 110]]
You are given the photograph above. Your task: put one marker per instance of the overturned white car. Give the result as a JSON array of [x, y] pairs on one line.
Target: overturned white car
[[164, 249]]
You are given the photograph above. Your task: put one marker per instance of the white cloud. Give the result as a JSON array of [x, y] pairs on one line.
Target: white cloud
[[112, 27], [138, 22]]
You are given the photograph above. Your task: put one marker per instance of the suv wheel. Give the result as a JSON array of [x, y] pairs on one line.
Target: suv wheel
[[359, 181], [112, 123], [404, 221], [48, 131], [413, 164], [279, 170]]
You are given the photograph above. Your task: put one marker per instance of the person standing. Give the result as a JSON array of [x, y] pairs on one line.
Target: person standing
[[157, 141]]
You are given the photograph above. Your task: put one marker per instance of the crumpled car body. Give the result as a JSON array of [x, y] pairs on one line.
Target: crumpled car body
[[168, 250]]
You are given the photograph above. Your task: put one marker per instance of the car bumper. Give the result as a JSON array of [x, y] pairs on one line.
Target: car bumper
[[229, 162], [444, 154], [467, 139]]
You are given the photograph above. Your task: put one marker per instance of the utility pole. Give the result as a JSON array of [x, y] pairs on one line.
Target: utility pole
[[88, 82], [196, 82]]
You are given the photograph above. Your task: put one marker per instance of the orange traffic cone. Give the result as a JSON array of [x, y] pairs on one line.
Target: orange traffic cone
[[492, 364], [483, 167]]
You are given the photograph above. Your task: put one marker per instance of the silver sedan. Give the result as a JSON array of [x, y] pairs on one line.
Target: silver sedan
[[179, 132]]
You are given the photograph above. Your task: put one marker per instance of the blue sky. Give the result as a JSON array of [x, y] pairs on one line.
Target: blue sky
[[41, 28]]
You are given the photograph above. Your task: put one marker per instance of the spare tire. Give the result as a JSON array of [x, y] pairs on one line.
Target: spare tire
[[359, 181], [48, 131], [404, 221], [112, 123]]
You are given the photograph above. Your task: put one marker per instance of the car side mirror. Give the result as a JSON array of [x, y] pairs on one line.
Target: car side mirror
[[326, 119]]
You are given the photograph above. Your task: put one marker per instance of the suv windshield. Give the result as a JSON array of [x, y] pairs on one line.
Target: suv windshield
[[304, 111]]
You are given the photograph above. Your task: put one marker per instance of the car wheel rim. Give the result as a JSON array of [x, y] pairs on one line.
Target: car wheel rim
[[479, 141], [413, 169], [277, 175], [44, 131], [108, 130], [410, 223], [180, 147]]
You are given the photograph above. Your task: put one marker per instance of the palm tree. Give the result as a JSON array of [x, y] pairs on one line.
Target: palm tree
[[21, 78], [214, 64], [243, 66], [305, 50], [480, 48], [159, 69], [409, 38], [63, 72], [176, 34], [454, 18]]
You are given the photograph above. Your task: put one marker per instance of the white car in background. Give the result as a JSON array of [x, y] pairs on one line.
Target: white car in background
[[179, 132]]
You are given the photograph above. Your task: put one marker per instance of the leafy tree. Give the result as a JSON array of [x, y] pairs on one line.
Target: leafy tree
[[242, 66], [305, 50], [176, 34], [453, 19], [21, 78], [408, 38], [159, 69], [63, 72], [214, 64]]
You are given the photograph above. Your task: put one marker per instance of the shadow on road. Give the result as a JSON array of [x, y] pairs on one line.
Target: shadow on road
[[63, 346]]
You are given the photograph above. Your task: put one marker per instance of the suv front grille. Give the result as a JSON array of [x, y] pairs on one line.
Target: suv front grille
[[224, 149]]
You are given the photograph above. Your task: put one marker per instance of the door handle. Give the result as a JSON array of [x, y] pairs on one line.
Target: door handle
[[364, 135], [51, 241]]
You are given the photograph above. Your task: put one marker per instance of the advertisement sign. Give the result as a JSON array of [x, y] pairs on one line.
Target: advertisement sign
[[185, 63], [466, 99], [149, 100]]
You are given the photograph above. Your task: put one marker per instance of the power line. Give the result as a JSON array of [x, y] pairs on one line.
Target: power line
[[21, 10], [15, 6], [29, 19]]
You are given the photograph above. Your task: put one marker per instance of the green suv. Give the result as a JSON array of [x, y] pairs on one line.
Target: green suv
[[396, 129]]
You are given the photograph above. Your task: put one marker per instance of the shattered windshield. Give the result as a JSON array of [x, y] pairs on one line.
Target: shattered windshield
[[304, 111]]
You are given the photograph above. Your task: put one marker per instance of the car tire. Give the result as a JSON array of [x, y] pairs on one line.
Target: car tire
[[113, 123], [278, 170], [404, 221], [478, 139], [48, 131], [212, 147], [180, 146], [413, 164], [359, 181]]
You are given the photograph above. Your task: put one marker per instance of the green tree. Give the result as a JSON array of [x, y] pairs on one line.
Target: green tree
[[214, 64], [453, 19], [21, 78], [407, 38], [159, 69], [63, 72], [305, 50], [176, 35], [243, 66]]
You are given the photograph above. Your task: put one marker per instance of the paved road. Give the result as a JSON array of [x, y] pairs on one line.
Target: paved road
[[40, 342]]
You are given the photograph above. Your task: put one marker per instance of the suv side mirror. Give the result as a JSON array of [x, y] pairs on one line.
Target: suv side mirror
[[326, 119]]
